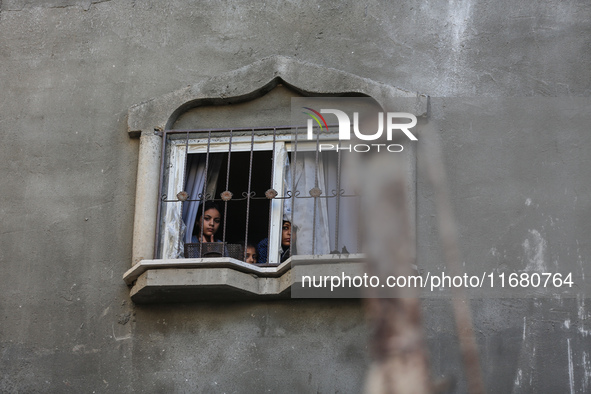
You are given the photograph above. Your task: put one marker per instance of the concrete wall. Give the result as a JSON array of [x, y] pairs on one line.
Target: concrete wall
[[70, 69]]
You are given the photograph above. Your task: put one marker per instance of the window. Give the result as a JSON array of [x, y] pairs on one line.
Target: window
[[259, 94], [205, 164], [260, 178]]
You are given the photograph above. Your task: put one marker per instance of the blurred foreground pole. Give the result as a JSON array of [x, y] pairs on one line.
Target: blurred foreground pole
[[400, 363]]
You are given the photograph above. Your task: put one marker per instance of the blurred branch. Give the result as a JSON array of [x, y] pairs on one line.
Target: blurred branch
[[398, 347], [397, 343]]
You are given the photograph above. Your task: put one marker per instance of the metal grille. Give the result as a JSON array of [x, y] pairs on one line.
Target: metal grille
[[248, 196], [213, 249]]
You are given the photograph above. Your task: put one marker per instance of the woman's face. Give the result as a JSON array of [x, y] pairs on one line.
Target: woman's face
[[210, 223], [286, 234]]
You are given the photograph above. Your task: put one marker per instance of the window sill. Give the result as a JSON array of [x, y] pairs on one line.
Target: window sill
[[224, 278]]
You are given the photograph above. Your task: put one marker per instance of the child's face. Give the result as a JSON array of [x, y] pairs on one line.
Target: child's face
[[210, 222], [286, 234], [251, 255]]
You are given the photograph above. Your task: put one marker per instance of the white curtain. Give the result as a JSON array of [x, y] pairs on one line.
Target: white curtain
[[318, 236], [347, 206], [181, 225], [195, 185]]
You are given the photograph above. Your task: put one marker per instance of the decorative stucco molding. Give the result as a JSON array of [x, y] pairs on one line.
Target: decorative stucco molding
[[247, 83], [255, 80]]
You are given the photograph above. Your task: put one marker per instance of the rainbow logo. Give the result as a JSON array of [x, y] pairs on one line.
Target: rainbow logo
[[315, 115]]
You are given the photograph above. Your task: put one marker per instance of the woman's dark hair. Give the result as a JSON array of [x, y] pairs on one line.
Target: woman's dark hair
[[208, 205]]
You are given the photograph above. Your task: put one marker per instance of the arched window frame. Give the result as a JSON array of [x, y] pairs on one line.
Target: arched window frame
[[147, 120]]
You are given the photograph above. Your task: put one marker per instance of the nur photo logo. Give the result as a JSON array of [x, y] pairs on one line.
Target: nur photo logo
[[396, 124]]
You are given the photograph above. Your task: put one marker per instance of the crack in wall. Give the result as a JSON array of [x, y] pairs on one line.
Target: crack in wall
[[16, 5]]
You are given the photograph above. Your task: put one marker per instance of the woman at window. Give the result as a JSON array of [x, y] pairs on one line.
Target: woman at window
[[207, 223], [206, 226]]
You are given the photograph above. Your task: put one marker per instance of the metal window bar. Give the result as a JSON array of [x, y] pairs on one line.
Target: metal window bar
[[184, 186], [227, 189], [338, 207], [358, 209], [249, 195], [165, 134], [204, 194], [315, 196], [270, 205], [293, 191]]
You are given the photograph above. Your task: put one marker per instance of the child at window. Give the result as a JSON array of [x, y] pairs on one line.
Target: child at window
[[207, 223], [251, 254], [206, 226], [285, 240], [263, 246]]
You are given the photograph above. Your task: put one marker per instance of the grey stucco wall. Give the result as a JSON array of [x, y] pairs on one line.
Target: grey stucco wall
[[520, 190], [70, 69]]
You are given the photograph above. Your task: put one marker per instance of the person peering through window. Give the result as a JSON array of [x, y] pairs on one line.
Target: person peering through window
[[207, 223], [251, 254], [263, 246], [285, 240], [206, 226]]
